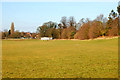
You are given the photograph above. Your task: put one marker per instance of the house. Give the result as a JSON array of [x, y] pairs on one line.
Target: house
[[46, 38], [27, 35]]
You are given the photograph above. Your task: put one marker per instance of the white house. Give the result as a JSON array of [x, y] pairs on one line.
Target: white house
[[46, 38]]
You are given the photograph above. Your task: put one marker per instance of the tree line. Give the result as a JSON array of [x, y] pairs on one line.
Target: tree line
[[84, 29], [16, 34], [68, 28]]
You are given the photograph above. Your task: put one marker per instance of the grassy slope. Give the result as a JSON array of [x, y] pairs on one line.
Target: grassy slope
[[60, 58]]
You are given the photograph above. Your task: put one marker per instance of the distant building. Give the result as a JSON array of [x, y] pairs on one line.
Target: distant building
[[46, 38], [27, 35]]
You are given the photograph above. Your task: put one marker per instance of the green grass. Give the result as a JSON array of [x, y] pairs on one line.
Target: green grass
[[60, 59]]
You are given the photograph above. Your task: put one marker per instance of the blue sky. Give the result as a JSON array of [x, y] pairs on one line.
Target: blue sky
[[27, 16]]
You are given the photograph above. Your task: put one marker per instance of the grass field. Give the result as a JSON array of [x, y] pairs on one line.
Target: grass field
[[60, 59]]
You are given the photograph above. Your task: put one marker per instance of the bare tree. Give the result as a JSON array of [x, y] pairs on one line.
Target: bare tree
[[64, 22], [100, 17], [72, 21]]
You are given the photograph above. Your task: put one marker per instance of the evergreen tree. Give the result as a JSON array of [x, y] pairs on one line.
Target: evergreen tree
[[12, 28]]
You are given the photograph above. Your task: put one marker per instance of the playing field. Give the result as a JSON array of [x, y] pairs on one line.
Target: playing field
[[60, 58]]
